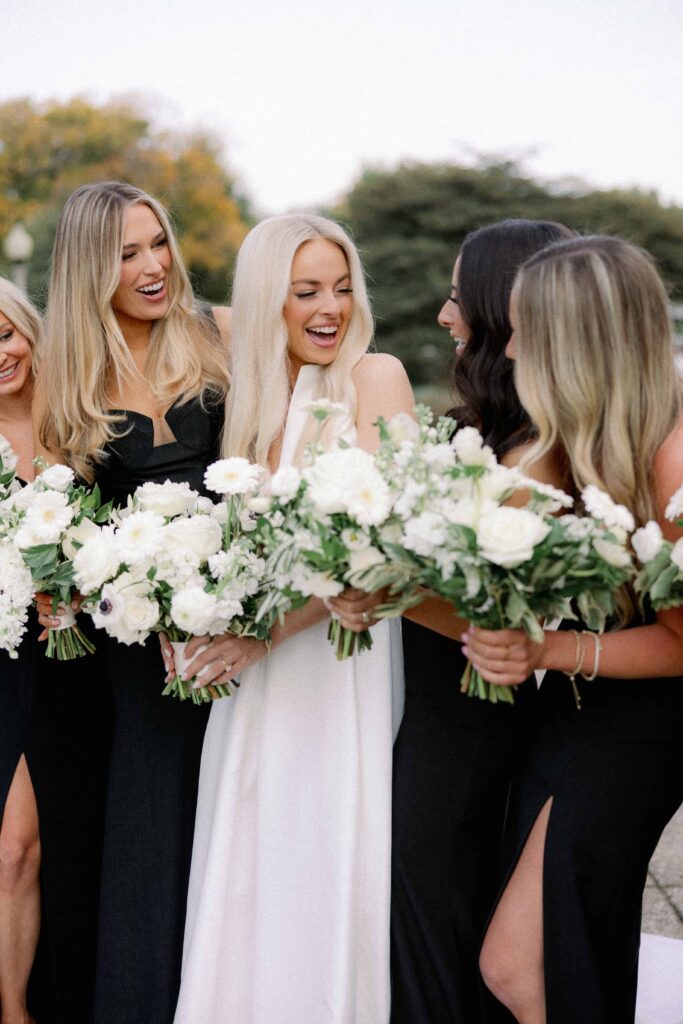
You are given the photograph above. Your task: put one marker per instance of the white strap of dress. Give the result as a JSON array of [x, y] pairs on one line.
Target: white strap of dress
[[306, 390]]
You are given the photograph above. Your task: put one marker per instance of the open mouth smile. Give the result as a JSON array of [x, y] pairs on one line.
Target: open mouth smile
[[9, 372], [323, 336], [157, 290]]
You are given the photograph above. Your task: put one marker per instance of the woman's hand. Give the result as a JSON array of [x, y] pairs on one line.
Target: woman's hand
[[504, 656], [354, 608], [215, 659], [46, 618]]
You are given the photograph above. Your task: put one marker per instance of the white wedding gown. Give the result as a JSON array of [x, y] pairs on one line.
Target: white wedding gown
[[288, 904]]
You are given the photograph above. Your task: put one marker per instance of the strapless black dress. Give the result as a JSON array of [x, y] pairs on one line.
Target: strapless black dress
[[154, 770], [454, 759]]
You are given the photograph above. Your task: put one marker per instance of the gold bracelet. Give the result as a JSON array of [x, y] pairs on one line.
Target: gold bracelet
[[596, 656], [580, 657]]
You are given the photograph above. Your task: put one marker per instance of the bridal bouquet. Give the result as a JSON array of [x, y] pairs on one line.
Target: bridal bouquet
[[660, 578], [500, 566], [47, 521], [320, 529], [177, 563], [16, 583]]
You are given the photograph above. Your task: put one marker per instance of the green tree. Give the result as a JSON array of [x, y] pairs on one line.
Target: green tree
[[49, 149], [410, 222]]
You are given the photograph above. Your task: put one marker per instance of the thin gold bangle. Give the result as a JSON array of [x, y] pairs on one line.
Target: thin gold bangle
[[580, 657], [596, 656]]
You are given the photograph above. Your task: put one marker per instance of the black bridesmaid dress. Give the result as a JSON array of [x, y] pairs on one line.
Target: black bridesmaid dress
[[454, 758], [154, 771], [613, 770]]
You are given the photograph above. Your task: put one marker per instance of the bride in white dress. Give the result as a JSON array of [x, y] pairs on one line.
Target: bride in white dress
[[288, 905]]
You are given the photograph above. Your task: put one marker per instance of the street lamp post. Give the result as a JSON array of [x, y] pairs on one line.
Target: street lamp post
[[18, 247]]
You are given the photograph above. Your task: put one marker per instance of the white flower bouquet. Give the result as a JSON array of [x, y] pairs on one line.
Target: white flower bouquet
[[320, 531], [8, 469], [500, 566], [660, 576], [176, 563], [47, 521]]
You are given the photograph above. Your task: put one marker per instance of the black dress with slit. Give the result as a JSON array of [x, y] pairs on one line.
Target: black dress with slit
[[454, 758], [613, 771], [154, 770]]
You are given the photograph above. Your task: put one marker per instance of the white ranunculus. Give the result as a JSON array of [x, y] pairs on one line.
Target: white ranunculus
[[285, 483], [507, 536], [599, 504], [233, 476], [359, 561], [193, 610], [199, 536], [97, 560], [167, 499], [674, 508], [56, 478], [677, 553], [402, 427], [470, 448], [77, 535], [424, 533], [647, 541], [613, 554], [48, 515], [140, 536]]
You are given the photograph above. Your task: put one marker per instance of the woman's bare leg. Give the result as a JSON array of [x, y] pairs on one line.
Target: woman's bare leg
[[511, 959], [19, 896]]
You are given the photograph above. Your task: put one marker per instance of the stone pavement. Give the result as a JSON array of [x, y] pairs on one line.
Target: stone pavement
[[663, 901]]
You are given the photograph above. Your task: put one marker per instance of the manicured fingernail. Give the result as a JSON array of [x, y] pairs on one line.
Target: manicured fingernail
[[465, 650]]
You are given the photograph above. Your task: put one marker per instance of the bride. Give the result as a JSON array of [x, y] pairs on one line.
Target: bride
[[288, 905]]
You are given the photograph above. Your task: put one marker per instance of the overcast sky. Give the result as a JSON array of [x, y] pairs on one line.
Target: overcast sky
[[304, 93]]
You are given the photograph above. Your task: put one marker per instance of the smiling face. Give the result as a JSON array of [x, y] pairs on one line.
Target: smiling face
[[450, 315], [319, 303], [142, 293], [15, 358]]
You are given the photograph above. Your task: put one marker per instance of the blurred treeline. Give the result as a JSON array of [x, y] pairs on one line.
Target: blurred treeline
[[408, 222]]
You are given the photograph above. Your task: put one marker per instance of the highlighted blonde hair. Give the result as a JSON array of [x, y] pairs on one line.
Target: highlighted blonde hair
[[257, 404], [86, 356], [22, 314], [595, 363]]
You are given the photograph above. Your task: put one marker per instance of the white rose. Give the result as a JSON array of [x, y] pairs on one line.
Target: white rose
[[167, 499], [285, 483], [77, 535], [470, 448], [200, 536], [193, 610], [507, 536], [56, 478], [97, 561], [647, 541]]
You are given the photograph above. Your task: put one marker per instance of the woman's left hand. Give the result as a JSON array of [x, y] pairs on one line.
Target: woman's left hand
[[354, 608], [503, 656], [223, 658]]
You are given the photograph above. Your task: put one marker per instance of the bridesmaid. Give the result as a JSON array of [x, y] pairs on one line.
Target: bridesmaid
[[595, 371], [131, 389], [454, 754], [19, 838]]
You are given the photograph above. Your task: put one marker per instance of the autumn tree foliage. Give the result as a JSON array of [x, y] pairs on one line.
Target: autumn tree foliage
[[49, 149]]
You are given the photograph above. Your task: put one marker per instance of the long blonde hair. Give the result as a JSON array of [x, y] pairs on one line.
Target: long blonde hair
[[595, 363], [260, 392], [23, 315], [86, 353]]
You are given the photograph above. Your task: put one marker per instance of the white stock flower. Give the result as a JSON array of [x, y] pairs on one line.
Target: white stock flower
[[507, 536], [424, 533], [97, 561], [233, 476], [677, 553], [470, 448], [577, 527], [16, 594], [77, 535], [48, 515], [22, 499], [613, 554], [8, 459], [647, 541], [556, 499], [402, 428], [167, 499], [56, 478], [140, 536], [197, 537], [599, 504], [285, 483], [193, 610], [439, 456], [674, 508]]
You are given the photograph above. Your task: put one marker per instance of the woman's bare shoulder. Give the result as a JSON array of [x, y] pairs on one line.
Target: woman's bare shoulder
[[223, 317]]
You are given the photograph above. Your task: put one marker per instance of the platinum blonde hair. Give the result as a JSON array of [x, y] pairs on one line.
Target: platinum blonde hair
[[86, 354], [257, 404], [23, 315], [595, 364]]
